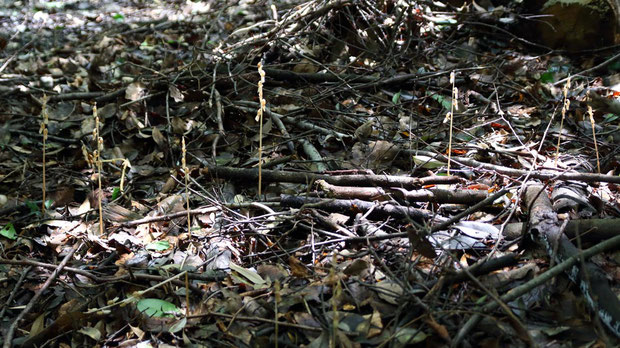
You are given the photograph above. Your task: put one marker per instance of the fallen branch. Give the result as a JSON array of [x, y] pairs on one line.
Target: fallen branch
[[354, 206], [486, 266], [589, 230], [343, 180], [169, 217], [535, 174], [206, 276], [378, 193]]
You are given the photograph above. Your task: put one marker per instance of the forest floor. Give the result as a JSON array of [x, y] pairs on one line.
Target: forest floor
[[340, 173]]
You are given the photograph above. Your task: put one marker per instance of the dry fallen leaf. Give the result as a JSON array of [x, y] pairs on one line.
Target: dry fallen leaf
[[175, 93], [135, 91], [159, 138], [297, 268]]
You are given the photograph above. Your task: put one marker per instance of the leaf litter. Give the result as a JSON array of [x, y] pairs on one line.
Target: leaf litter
[[366, 231]]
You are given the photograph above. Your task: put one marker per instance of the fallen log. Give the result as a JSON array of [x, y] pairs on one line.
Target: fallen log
[[354, 206]]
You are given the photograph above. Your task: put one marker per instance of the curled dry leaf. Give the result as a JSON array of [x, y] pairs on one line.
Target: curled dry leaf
[[382, 151], [175, 93], [135, 91], [159, 138], [297, 268]]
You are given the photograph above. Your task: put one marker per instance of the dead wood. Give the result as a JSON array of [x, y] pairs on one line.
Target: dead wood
[[354, 206], [306, 178], [484, 266], [589, 230], [422, 195], [514, 293], [536, 174], [546, 229]]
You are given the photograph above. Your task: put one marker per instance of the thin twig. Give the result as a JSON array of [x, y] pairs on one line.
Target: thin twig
[[9, 335]]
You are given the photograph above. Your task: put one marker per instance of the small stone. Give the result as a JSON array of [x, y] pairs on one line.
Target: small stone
[[47, 81]]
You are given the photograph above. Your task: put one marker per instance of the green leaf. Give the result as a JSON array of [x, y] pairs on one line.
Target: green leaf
[[396, 98], [224, 158], [116, 193], [410, 336], [48, 203], [610, 117], [8, 231], [547, 77], [154, 307], [445, 102], [159, 245], [463, 137], [54, 5], [178, 326], [118, 17], [146, 46], [250, 275], [427, 162], [34, 208]]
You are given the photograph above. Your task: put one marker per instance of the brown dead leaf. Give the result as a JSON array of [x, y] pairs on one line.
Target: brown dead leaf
[[178, 125], [305, 66], [135, 91], [170, 184], [356, 267], [382, 152], [175, 93], [107, 111], [499, 279], [375, 325], [348, 307], [159, 138], [69, 306], [297, 268], [439, 329], [37, 325], [389, 291], [363, 132], [63, 195], [118, 213], [123, 258], [103, 43], [420, 243], [84, 207], [304, 318], [334, 278], [272, 272]]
